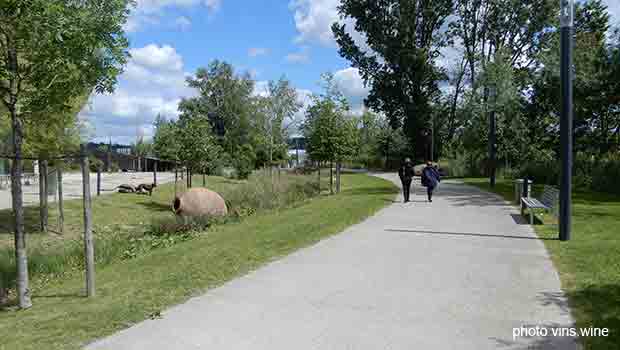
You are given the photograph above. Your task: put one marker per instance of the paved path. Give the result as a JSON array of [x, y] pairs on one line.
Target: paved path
[[458, 273], [72, 186]]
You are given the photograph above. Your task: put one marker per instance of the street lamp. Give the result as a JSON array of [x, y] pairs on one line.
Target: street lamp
[[566, 122], [492, 135]]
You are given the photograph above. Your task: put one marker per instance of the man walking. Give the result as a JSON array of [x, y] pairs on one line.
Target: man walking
[[430, 179], [406, 172]]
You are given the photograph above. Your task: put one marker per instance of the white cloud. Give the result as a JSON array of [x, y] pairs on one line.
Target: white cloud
[[183, 23], [153, 83], [314, 20], [614, 10], [352, 86], [157, 57], [149, 12], [257, 51]]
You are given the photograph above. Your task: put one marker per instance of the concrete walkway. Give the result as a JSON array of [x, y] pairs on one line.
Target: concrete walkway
[[458, 273]]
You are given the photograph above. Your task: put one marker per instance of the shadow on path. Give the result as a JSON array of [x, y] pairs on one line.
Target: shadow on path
[[470, 234]]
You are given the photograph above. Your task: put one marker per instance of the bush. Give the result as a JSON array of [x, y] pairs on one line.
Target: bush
[[606, 175], [94, 163]]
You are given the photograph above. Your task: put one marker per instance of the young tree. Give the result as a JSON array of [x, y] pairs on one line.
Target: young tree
[[53, 51], [198, 148], [279, 106], [166, 145], [330, 135]]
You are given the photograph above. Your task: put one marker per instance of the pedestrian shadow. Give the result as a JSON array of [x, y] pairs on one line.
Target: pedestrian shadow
[[470, 234]]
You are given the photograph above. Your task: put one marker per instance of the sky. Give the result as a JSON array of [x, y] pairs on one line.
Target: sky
[[170, 39]]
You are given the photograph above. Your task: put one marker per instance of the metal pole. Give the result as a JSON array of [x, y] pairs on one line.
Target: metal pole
[[98, 181], [432, 139], [155, 172], [492, 137], [566, 122]]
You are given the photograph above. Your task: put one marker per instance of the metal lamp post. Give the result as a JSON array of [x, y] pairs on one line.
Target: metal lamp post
[[492, 136], [566, 122]]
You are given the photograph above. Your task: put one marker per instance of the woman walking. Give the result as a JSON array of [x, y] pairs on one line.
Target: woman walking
[[430, 179], [406, 173]]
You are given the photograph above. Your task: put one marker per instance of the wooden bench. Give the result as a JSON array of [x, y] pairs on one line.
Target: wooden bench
[[549, 202]]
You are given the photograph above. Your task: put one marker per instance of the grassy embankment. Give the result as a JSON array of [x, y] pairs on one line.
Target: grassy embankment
[[130, 290]]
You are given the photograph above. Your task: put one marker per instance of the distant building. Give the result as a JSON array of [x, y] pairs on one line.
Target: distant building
[[124, 157], [296, 151]]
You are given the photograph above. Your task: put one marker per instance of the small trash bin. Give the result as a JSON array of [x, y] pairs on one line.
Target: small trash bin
[[519, 189]]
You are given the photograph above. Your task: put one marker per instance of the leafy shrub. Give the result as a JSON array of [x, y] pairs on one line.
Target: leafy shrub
[[606, 175], [94, 163]]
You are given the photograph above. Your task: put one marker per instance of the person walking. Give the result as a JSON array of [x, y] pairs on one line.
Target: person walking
[[430, 179], [406, 172]]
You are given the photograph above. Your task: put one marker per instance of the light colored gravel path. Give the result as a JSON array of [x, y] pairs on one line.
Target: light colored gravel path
[[72, 186], [458, 273]]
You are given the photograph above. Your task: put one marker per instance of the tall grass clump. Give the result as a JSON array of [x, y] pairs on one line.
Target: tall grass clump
[[265, 191]]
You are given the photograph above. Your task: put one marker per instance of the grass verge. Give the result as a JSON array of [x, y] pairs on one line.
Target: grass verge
[[589, 264], [130, 291]]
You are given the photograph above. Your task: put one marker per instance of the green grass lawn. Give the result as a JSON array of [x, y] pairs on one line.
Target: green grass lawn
[[132, 290], [129, 210], [589, 264]]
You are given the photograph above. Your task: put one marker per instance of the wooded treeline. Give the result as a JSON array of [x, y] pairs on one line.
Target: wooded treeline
[[432, 67]]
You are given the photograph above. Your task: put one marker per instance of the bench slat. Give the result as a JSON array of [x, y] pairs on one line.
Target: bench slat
[[533, 203]]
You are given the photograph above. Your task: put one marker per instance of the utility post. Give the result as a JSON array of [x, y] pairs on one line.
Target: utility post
[[566, 123], [492, 136], [432, 138]]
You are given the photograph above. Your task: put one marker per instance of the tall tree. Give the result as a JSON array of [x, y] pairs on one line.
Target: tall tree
[[53, 51], [225, 98], [404, 39]]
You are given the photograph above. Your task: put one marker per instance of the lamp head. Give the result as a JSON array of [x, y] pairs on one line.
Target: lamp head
[[567, 9]]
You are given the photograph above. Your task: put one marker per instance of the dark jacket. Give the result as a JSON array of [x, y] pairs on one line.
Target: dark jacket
[[406, 171], [430, 177]]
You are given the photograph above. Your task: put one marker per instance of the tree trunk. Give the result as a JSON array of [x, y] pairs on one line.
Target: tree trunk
[[319, 172], [42, 195], [89, 249], [21, 256], [204, 180], [331, 177], [176, 179], [61, 213], [338, 166], [155, 172], [189, 185], [4, 297]]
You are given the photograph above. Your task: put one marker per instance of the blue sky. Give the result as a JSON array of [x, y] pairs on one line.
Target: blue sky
[[170, 39]]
